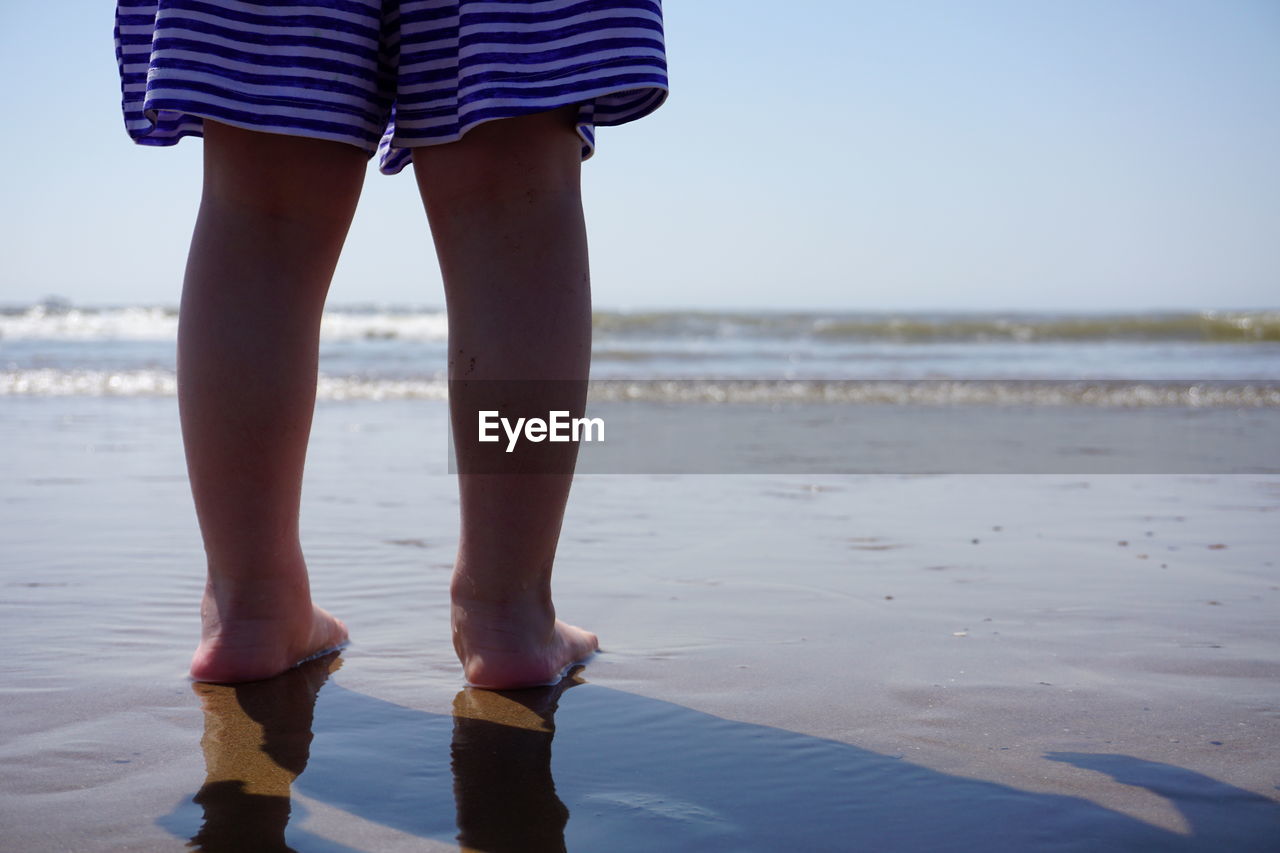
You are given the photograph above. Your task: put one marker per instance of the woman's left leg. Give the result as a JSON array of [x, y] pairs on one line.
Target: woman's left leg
[[273, 217]]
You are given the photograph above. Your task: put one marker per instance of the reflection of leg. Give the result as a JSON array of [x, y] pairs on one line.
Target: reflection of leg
[[273, 218], [506, 215], [505, 795], [257, 739]]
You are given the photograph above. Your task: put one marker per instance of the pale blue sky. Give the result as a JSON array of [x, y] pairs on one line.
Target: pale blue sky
[[993, 154]]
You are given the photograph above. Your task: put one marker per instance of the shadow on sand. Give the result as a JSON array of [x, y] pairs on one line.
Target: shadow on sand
[[632, 773]]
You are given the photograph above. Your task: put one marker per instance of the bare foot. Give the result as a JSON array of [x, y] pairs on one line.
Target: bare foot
[[504, 646], [261, 640]]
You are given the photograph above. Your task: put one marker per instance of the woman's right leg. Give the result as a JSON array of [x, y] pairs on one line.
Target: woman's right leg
[[506, 216]]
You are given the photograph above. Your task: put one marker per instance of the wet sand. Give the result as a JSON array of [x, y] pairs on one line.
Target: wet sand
[[1064, 662]]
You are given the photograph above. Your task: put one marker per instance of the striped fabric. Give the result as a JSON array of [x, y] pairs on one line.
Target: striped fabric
[[386, 75]]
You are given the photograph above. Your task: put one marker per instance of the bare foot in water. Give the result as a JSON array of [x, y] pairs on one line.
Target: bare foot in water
[[250, 641], [507, 645]]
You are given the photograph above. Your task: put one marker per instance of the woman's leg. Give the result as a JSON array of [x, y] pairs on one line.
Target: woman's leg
[[506, 216], [273, 217]]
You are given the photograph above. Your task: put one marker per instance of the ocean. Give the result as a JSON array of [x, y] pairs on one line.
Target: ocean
[[1206, 358], [763, 393]]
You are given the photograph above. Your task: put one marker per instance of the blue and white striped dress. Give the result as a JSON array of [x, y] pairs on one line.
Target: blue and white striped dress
[[386, 75]]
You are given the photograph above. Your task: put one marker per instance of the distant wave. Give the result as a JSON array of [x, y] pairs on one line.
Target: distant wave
[[948, 392], [61, 322], [50, 382], [1204, 326], [58, 320]]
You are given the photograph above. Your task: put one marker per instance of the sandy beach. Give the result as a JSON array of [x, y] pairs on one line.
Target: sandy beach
[[962, 662], [927, 358]]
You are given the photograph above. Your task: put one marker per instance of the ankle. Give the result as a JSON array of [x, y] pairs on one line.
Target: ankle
[[500, 593], [518, 618], [271, 597]]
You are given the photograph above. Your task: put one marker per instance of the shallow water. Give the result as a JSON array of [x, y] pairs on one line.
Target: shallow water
[[812, 662], [606, 769]]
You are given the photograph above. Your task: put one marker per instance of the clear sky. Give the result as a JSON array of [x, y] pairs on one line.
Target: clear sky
[[936, 154]]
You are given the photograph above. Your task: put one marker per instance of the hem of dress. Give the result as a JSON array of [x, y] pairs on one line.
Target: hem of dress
[[191, 123], [397, 153]]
